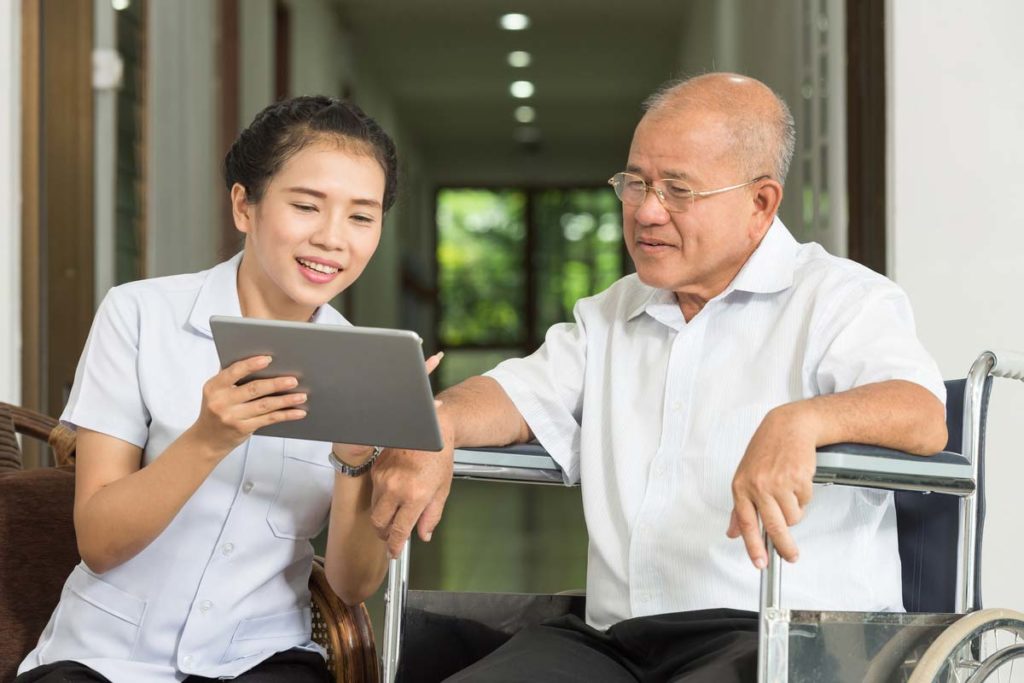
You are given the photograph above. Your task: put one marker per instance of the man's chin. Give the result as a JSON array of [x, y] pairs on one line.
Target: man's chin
[[659, 279]]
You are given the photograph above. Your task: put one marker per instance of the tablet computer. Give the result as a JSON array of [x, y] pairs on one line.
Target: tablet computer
[[364, 385]]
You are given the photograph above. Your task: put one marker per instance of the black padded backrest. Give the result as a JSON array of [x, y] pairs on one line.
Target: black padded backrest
[[928, 524]]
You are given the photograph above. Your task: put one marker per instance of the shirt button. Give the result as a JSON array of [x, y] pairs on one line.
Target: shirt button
[[187, 660], [247, 487], [205, 606], [227, 548], [677, 406]]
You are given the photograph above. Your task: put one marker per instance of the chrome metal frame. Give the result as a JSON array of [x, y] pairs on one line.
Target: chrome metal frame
[[973, 394], [394, 613], [772, 665]]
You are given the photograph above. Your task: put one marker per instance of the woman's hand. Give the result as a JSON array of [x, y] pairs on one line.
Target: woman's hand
[[231, 413]]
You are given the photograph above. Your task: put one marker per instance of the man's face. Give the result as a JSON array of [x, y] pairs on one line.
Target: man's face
[[697, 251]]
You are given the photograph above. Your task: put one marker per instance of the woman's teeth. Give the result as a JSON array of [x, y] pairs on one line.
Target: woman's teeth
[[318, 267]]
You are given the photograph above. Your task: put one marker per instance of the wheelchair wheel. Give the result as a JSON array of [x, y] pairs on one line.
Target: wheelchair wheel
[[982, 646]]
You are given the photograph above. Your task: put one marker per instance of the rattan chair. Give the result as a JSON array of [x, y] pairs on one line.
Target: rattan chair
[[38, 537]]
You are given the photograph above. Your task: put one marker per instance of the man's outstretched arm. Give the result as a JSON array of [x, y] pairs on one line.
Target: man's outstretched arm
[[410, 487], [775, 477]]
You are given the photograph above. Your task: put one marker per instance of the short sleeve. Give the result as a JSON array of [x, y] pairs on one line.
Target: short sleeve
[[547, 389], [868, 337], [106, 395]]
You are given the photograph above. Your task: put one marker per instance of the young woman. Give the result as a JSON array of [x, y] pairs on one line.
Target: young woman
[[194, 534]]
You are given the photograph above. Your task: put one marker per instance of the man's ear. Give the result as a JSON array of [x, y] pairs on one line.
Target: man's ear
[[767, 198], [241, 209]]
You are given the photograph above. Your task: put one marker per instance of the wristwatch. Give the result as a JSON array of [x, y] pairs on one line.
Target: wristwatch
[[349, 470]]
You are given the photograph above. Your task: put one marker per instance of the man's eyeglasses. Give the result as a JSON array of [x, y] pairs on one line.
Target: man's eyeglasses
[[631, 189]]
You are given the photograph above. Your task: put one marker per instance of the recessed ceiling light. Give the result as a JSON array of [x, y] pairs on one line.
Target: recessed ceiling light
[[526, 135], [521, 89], [120, 4], [525, 114], [519, 59], [514, 22]]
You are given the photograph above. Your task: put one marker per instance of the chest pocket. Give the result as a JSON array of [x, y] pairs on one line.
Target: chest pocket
[[303, 498]]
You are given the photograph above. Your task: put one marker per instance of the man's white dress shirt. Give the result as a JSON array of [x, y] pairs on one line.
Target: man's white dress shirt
[[652, 415], [225, 585]]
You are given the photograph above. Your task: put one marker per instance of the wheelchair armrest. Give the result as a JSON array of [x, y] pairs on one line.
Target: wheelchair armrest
[[875, 467], [844, 464], [525, 462]]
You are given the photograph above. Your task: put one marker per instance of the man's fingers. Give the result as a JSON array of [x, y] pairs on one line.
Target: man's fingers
[[734, 527], [792, 509], [382, 511], [431, 516], [745, 519], [401, 529], [778, 531]]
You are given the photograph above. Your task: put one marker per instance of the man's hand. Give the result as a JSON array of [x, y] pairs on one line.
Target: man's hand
[[775, 480], [410, 487]]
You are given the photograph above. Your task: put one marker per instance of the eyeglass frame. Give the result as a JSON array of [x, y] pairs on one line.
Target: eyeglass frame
[[660, 193]]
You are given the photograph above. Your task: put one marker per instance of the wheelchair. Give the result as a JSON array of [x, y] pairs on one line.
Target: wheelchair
[[945, 635]]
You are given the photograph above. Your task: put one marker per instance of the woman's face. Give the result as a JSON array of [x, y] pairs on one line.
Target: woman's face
[[312, 233]]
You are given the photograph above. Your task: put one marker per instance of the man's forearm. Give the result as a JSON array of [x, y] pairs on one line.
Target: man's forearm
[[895, 414], [478, 412]]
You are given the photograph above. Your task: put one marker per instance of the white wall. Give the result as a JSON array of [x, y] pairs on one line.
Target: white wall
[[183, 181], [10, 201], [956, 147]]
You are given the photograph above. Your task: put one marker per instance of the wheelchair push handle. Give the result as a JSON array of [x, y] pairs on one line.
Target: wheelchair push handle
[[1009, 364]]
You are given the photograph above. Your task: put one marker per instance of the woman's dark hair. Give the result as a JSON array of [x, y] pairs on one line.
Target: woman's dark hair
[[284, 128]]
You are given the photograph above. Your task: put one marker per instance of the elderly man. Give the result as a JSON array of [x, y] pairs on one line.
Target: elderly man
[[688, 399]]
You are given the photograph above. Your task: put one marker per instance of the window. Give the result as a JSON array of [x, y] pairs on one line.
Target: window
[[513, 262]]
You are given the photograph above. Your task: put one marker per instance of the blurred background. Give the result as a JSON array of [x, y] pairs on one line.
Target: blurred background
[[509, 118]]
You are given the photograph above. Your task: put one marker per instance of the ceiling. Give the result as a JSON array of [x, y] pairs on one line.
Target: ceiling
[[443, 64]]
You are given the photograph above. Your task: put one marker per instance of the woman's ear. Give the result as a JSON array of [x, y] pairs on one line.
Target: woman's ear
[[241, 209]]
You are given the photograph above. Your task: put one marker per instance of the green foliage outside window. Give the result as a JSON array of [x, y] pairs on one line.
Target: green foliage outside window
[[481, 266]]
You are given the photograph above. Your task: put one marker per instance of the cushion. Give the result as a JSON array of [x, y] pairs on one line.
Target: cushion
[[37, 535]]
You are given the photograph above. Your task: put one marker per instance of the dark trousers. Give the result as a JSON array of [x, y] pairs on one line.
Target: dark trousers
[[300, 666], [713, 646]]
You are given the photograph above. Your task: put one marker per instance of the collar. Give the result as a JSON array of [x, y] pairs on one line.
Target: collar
[[768, 270], [218, 295]]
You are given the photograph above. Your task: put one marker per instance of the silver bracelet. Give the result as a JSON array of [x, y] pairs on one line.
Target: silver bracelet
[[349, 470]]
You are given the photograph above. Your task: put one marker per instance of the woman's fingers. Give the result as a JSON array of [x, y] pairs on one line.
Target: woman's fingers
[[275, 416], [239, 370], [250, 391], [269, 404], [434, 361]]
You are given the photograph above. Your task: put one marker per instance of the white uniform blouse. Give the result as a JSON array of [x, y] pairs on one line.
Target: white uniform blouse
[[225, 585], [653, 414]]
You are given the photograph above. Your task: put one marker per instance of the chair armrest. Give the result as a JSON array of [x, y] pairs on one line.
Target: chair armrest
[[875, 467], [525, 463], [345, 632]]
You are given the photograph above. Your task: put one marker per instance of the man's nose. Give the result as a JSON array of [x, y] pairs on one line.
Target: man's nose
[[651, 211]]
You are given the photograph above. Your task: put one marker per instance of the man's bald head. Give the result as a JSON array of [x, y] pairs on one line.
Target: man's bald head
[[759, 122]]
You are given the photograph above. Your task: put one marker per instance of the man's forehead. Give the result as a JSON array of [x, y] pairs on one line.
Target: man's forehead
[[679, 144], [674, 172]]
